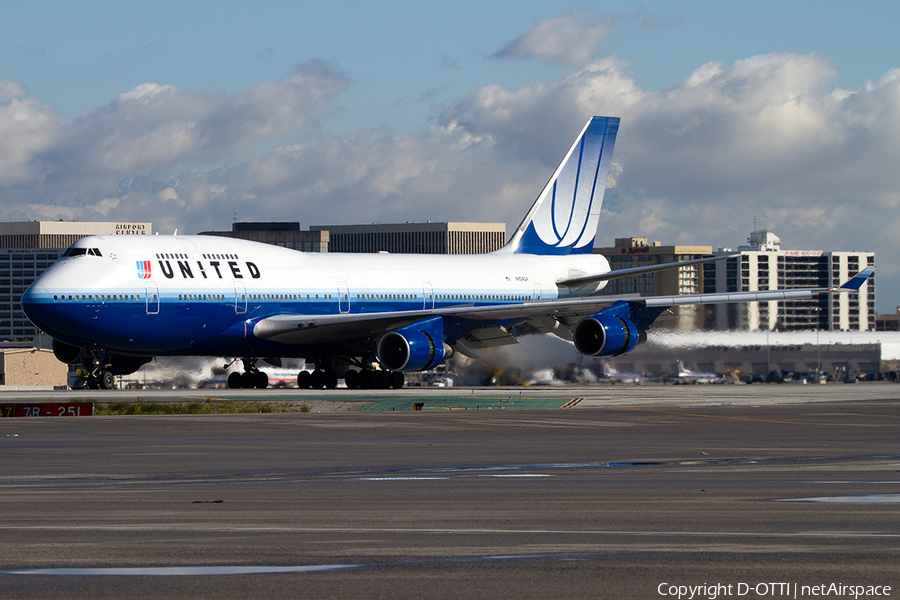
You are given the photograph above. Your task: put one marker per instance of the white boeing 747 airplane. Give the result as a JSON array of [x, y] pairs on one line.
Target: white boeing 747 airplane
[[113, 303]]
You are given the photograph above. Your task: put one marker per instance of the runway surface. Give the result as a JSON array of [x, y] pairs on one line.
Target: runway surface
[[771, 487]]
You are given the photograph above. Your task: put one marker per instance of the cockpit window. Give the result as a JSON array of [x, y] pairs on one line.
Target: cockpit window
[[81, 251]]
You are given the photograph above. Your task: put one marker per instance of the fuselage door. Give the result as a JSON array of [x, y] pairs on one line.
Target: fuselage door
[[343, 297], [152, 291], [240, 298], [190, 247], [537, 291], [428, 296]]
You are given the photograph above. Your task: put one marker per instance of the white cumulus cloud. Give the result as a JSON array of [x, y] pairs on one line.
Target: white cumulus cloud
[[568, 39]]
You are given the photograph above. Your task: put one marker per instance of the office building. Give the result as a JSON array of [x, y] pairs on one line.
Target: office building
[[888, 322], [284, 234], [417, 238], [763, 265], [636, 252]]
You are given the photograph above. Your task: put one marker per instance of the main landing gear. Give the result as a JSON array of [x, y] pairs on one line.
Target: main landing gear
[[370, 379], [252, 378], [366, 379], [318, 379], [325, 375]]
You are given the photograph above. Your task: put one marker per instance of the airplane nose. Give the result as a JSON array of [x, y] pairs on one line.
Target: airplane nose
[[32, 300], [33, 293]]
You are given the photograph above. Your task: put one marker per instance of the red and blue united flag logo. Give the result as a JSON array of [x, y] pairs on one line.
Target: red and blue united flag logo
[[143, 269]]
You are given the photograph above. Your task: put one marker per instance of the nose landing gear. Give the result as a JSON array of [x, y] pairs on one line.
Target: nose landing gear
[[101, 379]]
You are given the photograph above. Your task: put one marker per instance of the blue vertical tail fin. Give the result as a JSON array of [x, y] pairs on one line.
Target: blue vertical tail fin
[[563, 219]]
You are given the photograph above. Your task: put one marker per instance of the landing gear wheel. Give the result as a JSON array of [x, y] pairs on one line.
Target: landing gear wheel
[[382, 380], [366, 380], [317, 379], [107, 380], [331, 379], [351, 378], [234, 381], [261, 380], [304, 380], [397, 379], [93, 383], [248, 380]]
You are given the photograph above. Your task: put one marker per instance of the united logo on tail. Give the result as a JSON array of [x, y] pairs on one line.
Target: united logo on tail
[[563, 219]]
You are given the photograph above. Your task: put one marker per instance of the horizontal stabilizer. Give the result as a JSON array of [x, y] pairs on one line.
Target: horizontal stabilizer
[[622, 273], [857, 280]]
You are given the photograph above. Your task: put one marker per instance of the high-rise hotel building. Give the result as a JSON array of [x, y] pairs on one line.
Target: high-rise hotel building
[[763, 265]]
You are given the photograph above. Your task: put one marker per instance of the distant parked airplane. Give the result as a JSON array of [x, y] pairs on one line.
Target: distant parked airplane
[[694, 377], [620, 377]]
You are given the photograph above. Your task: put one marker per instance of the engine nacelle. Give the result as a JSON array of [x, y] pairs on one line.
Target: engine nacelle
[[607, 334], [416, 347], [65, 353]]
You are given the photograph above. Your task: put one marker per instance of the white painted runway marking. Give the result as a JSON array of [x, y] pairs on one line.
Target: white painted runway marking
[[188, 527], [862, 499], [169, 571]]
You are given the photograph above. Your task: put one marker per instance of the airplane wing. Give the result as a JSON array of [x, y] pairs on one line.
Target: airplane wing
[[472, 327]]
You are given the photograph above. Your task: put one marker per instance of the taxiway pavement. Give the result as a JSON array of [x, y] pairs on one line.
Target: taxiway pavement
[[681, 486]]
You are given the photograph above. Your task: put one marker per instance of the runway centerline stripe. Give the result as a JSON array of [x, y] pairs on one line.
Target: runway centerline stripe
[[446, 531], [668, 412]]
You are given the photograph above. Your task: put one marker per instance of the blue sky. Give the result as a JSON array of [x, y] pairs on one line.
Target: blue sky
[[181, 112], [80, 55]]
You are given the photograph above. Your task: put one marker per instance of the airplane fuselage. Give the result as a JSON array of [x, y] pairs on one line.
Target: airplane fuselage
[[201, 295]]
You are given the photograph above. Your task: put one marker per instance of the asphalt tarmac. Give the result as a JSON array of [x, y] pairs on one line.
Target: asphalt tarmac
[[763, 491]]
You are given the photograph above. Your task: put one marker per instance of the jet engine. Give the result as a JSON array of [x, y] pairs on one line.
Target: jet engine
[[609, 332], [416, 347], [65, 353]]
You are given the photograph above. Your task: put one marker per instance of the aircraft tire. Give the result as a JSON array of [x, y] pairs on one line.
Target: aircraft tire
[[331, 379], [317, 379], [248, 380], [107, 380], [234, 381], [261, 380], [304, 380], [366, 380], [351, 378], [397, 379], [382, 380]]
